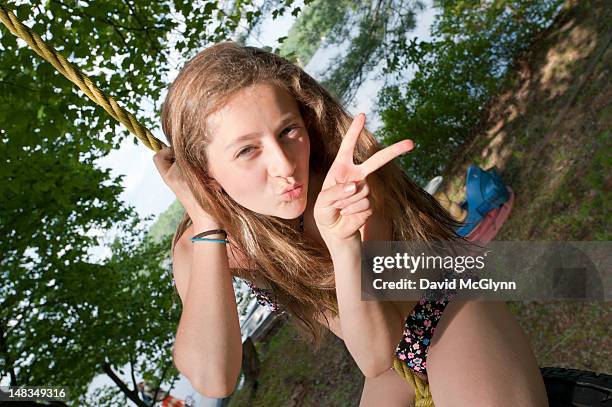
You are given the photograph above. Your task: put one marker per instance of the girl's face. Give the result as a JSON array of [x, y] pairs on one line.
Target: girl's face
[[260, 149]]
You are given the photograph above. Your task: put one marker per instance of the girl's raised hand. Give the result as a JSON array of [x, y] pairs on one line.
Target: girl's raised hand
[[172, 176], [339, 211]]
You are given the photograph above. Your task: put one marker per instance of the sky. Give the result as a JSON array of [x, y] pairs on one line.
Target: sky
[[144, 188]]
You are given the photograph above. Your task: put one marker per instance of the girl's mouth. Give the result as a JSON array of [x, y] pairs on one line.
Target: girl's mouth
[[293, 194]]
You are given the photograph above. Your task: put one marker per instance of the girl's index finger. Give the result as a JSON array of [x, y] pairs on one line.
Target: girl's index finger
[[382, 157], [347, 147]]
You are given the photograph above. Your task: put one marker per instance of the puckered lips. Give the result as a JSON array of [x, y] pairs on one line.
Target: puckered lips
[[292, 192]]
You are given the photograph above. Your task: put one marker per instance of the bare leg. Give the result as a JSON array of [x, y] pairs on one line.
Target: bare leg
[[388, 390], [480, 356]]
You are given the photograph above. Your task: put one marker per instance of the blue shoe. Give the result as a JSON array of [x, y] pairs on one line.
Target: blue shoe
[[485, 191]]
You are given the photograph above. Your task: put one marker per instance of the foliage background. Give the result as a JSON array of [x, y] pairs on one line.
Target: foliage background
[[65, 316]]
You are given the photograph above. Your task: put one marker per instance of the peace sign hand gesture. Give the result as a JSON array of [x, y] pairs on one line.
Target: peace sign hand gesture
[[340, 211]]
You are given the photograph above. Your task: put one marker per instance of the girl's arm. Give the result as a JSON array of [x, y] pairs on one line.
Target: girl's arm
[[208, 346], [371, 329]]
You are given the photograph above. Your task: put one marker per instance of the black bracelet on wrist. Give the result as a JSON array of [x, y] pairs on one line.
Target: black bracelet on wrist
[[211, 232]]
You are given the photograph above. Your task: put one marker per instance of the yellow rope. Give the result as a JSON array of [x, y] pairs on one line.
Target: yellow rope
[[421, 387], [79, 78]]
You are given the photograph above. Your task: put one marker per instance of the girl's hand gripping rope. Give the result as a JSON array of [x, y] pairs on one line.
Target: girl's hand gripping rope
[[171, 174]]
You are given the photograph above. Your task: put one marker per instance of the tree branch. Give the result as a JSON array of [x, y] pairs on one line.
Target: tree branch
[[143, 27], [19, 86], [132, 370], [131, 394], [159, 383], [7, 357]]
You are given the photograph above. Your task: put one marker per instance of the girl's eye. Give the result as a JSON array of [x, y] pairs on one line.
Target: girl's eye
[[244, 151], [289, 129]]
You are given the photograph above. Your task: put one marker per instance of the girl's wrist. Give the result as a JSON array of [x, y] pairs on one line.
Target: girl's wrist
[[341, 247], [204, 223]]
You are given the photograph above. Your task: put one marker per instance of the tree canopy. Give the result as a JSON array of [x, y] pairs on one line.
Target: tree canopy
[[455, 73], [65, 317]]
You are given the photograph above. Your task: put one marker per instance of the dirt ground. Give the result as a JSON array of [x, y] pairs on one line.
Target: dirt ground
[[550, 137]]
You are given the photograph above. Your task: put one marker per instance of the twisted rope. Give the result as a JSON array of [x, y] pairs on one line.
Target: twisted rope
[[79, 78], [421, 387]]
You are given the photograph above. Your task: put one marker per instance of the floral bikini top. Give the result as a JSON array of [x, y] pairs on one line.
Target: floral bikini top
[[264, 298], [418, 328]]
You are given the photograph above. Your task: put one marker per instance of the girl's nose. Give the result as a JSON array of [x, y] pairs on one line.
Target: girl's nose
[[280, 164]]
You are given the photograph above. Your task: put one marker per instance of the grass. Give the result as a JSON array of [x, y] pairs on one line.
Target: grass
[[293, 374], [559, 155]]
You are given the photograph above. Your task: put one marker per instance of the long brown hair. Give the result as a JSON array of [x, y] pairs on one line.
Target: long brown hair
[[297, 270]]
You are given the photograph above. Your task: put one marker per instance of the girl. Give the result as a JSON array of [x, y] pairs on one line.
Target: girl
[[282, 187]]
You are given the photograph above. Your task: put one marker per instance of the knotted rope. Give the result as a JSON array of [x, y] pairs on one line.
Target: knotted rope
[[79, 78], [421, 387]]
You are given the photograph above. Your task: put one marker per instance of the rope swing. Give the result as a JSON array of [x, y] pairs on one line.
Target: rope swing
[[423, 395], [420, 386], [79, 78]]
